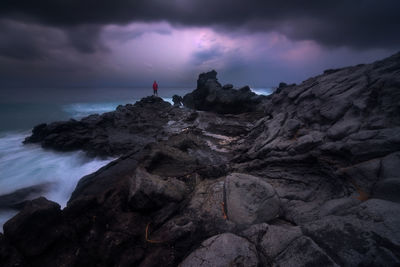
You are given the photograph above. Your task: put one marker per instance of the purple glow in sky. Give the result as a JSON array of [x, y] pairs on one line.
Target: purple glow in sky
[[175, 42]]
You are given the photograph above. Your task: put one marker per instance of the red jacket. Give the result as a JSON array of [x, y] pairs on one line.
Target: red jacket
[[155, 86]]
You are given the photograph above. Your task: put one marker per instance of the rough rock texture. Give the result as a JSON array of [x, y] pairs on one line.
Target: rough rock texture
[[365, 235], [32, 230], [250, 200], [127, 129], [211, 96], [223, 250], [308, 177]]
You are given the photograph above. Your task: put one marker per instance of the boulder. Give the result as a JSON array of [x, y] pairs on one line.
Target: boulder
[[250, 200], [207, 204], [35, 228]]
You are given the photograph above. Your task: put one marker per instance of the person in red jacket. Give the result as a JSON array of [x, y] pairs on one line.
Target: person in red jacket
[[155, 88]]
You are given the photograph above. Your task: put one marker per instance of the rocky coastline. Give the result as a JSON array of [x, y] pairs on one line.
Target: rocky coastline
[[307, 176]]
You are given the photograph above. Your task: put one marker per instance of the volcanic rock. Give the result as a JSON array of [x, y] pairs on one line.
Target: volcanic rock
[[127, 129], [223, 250], [210, 96], [177, 100], [250, 200], [32, 230], [305, 177]]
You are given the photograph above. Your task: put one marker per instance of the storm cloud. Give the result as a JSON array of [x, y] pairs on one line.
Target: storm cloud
[[359, 23], [125, 42]]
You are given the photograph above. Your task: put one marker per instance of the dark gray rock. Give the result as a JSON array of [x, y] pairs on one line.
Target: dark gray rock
[[250, 200], [34, 229], [227, 86], [364, 235], [303, 252], [177, 100], [335, 206], [148, 192], [282, 85], [388, 189], [129, 128], [223, 250], [255, 232], [9, 256], [343, 128], [291, 126], [326, 150], [390, 166], [207, 201], [210, 96], [278, 238]]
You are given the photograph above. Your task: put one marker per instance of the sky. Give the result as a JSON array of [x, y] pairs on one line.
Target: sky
[[131, 43]]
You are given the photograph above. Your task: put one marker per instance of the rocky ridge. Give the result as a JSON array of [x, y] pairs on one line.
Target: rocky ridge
[[306, 176]]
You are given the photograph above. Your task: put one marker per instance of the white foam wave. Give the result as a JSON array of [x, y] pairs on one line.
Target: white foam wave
[[262, 91], [168, 99], [26, 165]]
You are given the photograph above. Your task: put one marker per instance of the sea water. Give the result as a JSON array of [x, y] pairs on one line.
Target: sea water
[[22, 165]]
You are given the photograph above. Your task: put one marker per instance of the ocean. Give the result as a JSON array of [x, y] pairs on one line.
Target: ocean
[[27, 165]]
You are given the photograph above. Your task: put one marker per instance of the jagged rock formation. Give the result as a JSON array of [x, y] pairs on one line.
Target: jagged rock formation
[[211, 96], [128, 128], [308, 177]]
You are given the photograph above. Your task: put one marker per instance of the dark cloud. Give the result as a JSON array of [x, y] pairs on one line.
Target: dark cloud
[[17, 42], [123, 34], [24, 41], [358, 23], [62, 42], [86, 38]]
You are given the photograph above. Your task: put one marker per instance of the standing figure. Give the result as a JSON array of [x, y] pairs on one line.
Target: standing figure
[[155, 88]]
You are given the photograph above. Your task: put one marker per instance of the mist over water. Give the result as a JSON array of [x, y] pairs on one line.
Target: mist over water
[[27, 165]]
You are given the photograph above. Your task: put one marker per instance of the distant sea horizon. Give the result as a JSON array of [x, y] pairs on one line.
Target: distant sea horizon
[[22, 110]]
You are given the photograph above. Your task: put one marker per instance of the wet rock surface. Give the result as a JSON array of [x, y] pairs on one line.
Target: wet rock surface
[[307, 177]]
